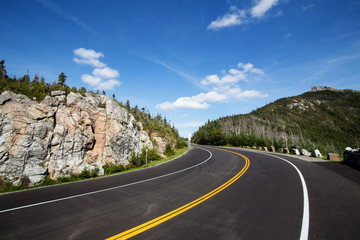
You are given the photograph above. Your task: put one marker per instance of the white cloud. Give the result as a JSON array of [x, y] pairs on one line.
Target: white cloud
[[106, 72], [183, 102], [109, 84], [199, 101], [250, 94], [238, 93], [233, 76], [91, 80], [248, 67], [262, 7], [211, 79], [225, 88], [101, 71], [236, 17], [88, 57]]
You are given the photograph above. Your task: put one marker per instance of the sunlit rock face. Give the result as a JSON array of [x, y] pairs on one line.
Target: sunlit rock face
[[64, 135]]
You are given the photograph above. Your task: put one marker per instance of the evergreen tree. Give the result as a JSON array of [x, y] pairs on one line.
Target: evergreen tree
[[62, 79], [2, 69], [127, 105]]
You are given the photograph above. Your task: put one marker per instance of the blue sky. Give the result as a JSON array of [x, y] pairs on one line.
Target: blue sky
[[187, 60]]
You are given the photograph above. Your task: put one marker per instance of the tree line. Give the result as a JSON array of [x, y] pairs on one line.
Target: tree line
[[325, 120]]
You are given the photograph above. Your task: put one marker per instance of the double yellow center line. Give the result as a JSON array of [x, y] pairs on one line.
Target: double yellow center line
[[150, 224]]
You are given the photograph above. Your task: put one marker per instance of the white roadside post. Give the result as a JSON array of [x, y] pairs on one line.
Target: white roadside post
[[146, 156]]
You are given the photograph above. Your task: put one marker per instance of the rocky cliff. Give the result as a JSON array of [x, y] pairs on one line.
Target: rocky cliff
[[64, 135]]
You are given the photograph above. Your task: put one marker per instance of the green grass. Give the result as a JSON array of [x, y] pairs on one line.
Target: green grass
[[117, 169]]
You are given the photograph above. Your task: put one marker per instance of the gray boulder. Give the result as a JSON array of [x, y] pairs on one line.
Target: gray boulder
[[305, 152], [295, 151], [316, 154]]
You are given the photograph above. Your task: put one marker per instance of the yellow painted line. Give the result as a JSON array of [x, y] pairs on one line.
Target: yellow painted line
[[152, 223]]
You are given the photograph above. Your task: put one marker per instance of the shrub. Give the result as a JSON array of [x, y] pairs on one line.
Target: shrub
[[111, 169], [169, 151], [94, 173], [137, 160], [180, 143], [152, 154]]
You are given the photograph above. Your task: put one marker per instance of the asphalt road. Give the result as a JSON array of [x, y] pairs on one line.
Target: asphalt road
[[265, 202]]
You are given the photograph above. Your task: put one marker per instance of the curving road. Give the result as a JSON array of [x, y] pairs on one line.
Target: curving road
[[216, 194]]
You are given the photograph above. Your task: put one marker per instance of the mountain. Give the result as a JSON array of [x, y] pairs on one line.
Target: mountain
[[324, 118]]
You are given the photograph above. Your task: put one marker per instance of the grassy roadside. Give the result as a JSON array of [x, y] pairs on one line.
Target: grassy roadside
[[85, 175]]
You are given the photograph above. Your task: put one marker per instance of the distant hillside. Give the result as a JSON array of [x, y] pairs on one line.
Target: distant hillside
[[324, 118]]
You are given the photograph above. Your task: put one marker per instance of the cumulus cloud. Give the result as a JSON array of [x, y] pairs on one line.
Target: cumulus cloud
[[248, 67], [91, 80], [237, 16], [232, 76], [106, 72], [199, 101], [109, 84], [238, 93], [224, 89], [103, 77], [88, 57]]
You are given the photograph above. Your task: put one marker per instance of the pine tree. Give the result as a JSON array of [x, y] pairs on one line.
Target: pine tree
[[62, 79], [2, 69], [127, 105]]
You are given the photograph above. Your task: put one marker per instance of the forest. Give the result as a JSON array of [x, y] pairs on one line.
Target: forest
[[326, 120]]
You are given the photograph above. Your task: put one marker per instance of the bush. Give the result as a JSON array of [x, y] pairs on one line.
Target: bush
[[111, 169], [180, 143], [169, 151], [152, 154], [94, 173], [137, 160]]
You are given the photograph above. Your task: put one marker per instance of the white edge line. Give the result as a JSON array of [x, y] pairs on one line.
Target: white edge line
[[306, 214], [108, 189]]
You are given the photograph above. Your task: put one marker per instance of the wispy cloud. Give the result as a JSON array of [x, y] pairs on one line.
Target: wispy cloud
[[103, 77], [179, 72], [287, 36], [237, 16], [54, 8], [307, 7], [233, 18], [224, 89], [262, 7]]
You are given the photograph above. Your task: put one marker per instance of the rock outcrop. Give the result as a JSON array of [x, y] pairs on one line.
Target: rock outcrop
[[64, 135], [160, 142]]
